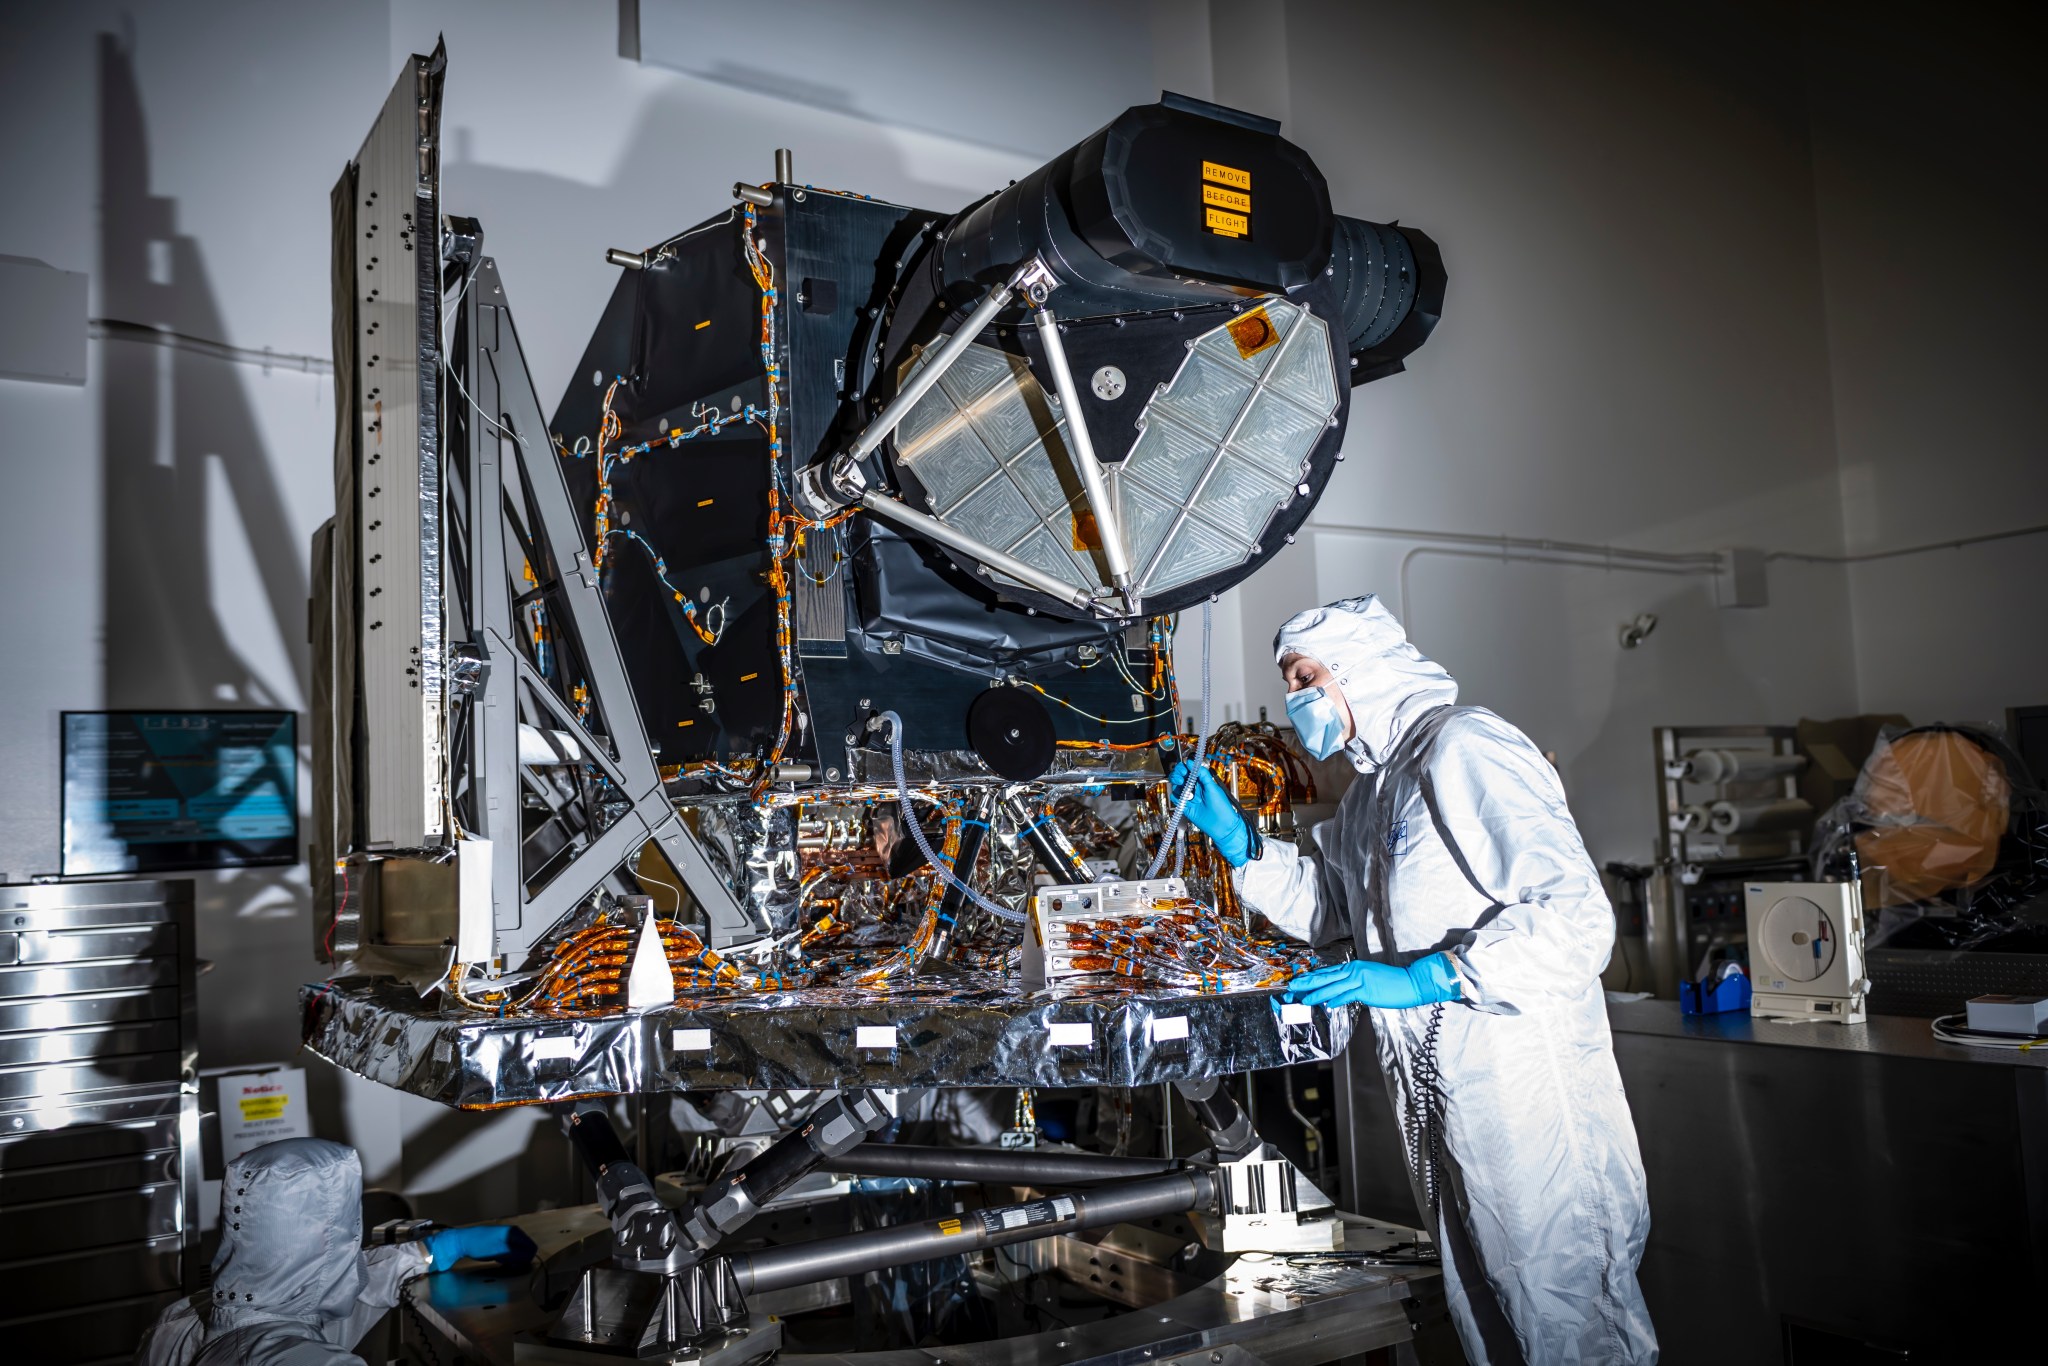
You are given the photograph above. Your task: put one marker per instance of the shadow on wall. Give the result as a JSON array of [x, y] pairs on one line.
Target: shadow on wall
[[173, 424]]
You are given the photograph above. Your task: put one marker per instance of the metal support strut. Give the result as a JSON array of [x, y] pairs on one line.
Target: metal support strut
[[1228, 1126], [729, 1202], [776, 1267], [1107, 526], [839, 482]]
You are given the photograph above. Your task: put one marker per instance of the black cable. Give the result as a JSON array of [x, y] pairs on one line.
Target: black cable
[[1423, 1133], [419, 1325]]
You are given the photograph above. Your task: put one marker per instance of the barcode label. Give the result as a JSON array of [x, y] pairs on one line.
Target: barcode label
[[1079, 1034], [693, 1041], [1295, 1012], [874, 1036], [1166, 1028], [561, 1046]]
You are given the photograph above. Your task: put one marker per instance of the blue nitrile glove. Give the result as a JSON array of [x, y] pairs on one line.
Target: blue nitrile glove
[[1424, 982], [1212, 811], [500, 1243]]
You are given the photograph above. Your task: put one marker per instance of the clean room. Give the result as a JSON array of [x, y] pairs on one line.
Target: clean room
[[910, 684]]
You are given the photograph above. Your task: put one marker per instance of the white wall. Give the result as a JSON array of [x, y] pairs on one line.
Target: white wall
[[1931, 184]]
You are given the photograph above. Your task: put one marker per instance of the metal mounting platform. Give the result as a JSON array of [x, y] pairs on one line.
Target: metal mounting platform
[[382, 1030], [1295, 1310]]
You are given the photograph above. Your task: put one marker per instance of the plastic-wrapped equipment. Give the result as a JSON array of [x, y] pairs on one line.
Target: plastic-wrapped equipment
[[1934, 804]]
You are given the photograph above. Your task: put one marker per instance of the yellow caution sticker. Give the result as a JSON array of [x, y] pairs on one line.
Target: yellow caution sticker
[[1227, 175], [1224, 223], [262, 1107], [949, 1228], [1235, 200], [1252, 333]]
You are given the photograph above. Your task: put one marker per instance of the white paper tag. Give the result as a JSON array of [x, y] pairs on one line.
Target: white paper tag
[[693, 1041], [1015, 1218], [1075, 1034], [1295, 1012], [1166, 1028], [874, 1036], [474, 916], [1063, 1207], [559, 1046]]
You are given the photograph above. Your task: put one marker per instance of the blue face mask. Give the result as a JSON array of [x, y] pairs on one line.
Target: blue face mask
[[1318, 721]]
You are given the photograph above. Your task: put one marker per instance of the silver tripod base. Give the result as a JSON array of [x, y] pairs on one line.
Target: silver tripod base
[[694, 1315]]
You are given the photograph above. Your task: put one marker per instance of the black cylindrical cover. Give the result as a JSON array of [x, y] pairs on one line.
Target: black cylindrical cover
[[1123, 217]]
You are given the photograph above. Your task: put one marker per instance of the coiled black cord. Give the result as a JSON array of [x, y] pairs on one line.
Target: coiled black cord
[[1423, 1134]]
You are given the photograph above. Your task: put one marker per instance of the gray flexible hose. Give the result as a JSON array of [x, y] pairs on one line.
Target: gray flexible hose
[[1194, 772], [939, 865]]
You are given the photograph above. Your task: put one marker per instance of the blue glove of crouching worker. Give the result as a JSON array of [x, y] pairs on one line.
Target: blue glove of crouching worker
[[1215, 813], [1387, 986], [500, 1243]]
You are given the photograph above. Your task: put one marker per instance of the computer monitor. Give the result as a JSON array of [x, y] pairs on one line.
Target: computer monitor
[[160, 791]]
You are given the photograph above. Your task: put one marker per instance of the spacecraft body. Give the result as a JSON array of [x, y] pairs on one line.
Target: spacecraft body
[[829, 612], [789, 713]]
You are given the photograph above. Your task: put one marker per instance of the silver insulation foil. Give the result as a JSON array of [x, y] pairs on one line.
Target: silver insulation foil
[[1087, 1036]]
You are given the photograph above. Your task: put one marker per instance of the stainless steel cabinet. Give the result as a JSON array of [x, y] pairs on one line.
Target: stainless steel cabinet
[[99, 1115]]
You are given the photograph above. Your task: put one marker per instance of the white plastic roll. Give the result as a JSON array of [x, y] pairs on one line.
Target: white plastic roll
[[1730, 818], [1740, 765], [1691, 820], [536, 752]]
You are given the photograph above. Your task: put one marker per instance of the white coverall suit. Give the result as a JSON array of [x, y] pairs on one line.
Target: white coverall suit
[[292, 1283], [1544, 1210]]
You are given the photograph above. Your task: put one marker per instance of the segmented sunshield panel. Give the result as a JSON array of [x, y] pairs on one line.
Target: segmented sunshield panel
[[1222, 448]]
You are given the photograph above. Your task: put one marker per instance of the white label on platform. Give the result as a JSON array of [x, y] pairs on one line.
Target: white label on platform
[[693, 1041], [1295, 1012], [874, 1036], [1166, 1028], [1078, 1034], [560, 1046]]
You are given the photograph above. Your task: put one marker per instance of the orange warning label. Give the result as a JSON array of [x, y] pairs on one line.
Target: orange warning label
[[1225, 222], [1253, 332], [1227, 175], [949, 1228], [1087, 536], [1235, 200]]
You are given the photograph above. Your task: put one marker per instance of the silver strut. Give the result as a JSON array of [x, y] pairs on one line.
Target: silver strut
[[839, 482], [1083, 447]]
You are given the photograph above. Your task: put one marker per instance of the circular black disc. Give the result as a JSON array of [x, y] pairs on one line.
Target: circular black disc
[[1013, 734]]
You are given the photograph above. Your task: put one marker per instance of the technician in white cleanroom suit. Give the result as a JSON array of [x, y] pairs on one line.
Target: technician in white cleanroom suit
[[292, 1283], [1454, 871]]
